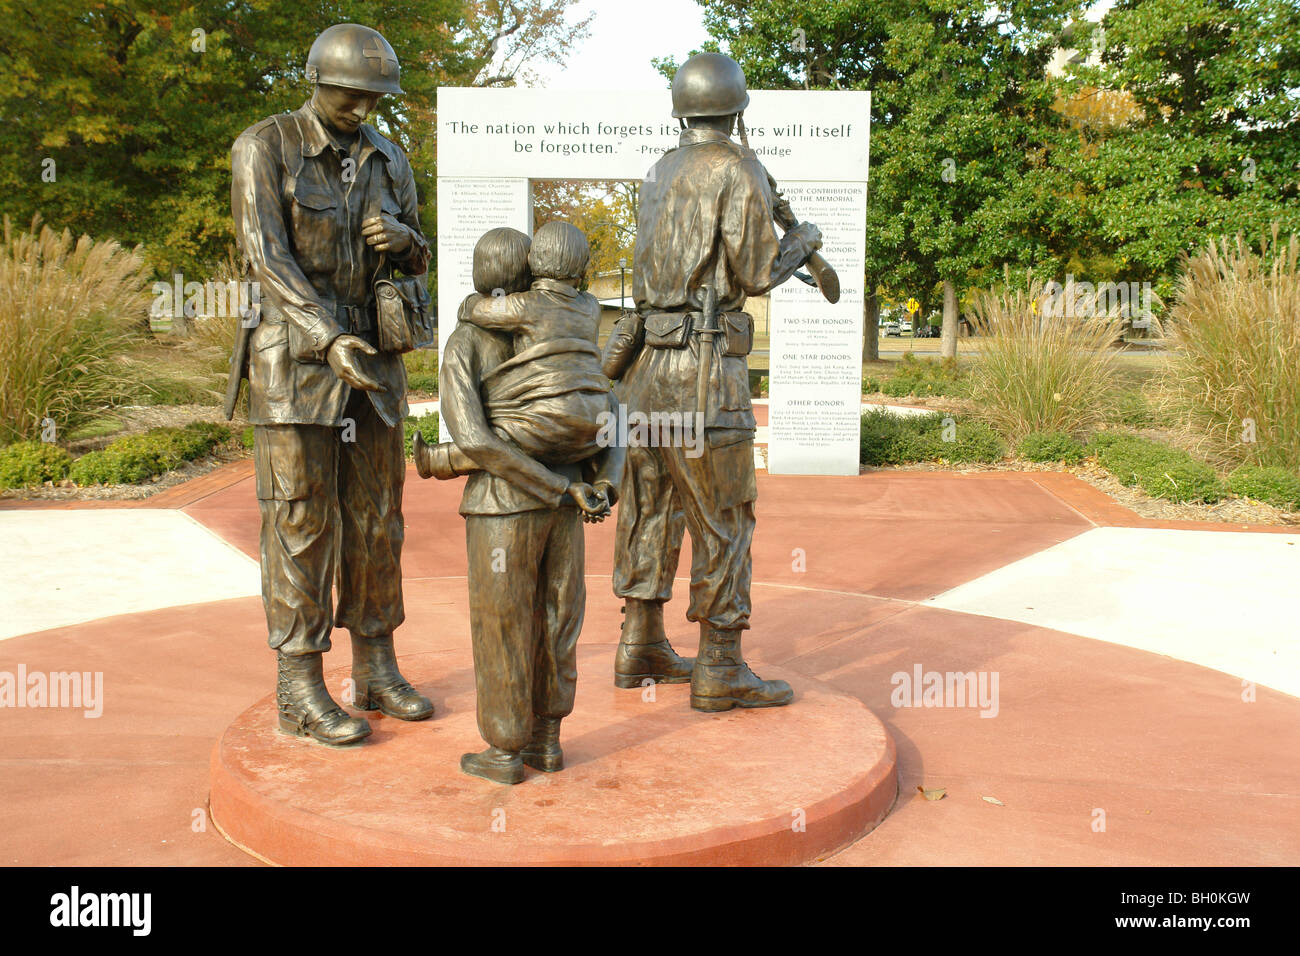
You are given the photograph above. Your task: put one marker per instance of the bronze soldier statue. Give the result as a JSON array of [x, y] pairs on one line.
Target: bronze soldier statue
[[318, 197], [705, 241]]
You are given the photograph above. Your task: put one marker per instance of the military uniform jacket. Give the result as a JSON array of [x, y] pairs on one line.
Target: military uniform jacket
[[705, 216], [298, 199]]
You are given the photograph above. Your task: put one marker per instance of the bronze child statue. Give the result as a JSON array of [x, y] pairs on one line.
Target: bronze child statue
[[550, 397], [524, 408]]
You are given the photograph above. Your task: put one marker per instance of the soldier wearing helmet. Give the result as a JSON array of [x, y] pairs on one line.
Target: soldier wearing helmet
[[318, 198], [705, 236]]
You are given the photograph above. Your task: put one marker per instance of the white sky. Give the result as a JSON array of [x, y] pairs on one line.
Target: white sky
[[623, 38], [626, 34]]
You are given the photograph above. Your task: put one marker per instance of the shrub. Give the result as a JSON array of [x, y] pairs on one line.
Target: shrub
[[870, 385], [898, 387], [1234, 330], [246, 437], [1037, 371], [426, 424], [1159, 470], [67, 313], [1051, 446], [29, 464], [1273, 485], [422, 370], [138, 458], [1130, 407], [921, 377], [888, 439]]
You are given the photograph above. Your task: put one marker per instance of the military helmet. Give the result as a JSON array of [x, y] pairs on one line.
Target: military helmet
[[709, 84], [357, 57]]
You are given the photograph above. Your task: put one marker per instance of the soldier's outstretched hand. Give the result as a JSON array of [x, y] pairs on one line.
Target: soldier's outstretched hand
[[345, 361], [386, 234], [593, 504]]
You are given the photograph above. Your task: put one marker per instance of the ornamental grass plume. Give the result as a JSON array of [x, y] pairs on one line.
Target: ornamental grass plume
[[1234, 328], [68, 311], [1042, 367]]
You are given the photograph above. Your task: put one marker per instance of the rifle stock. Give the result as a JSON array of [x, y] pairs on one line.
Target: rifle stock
[[826, 278]]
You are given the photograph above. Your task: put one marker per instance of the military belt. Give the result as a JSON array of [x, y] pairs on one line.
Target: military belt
[[356, 318], [670, 329]]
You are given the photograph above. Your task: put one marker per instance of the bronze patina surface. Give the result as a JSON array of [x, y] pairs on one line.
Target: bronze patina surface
[[705, 241], [521, 391], [317, 197]]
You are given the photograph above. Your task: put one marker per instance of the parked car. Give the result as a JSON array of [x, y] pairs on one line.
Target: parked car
[[905, 327], [890, 327]]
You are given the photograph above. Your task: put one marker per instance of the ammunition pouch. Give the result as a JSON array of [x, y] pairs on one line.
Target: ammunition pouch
[[404, 318], [668, 330], [671, 330], [738, 327]]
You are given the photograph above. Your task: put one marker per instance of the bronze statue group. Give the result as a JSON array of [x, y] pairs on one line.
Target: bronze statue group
[[321, 202]]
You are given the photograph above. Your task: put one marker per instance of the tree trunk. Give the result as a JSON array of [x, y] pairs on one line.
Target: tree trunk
[[948, 344], [871, 326]]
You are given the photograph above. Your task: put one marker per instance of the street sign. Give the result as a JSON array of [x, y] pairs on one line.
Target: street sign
[[913, 306]]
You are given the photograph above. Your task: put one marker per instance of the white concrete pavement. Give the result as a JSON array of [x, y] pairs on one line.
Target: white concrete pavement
[[67, 567], [1222, 599]]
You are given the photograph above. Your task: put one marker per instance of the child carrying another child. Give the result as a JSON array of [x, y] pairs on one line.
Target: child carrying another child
[[549, 398]]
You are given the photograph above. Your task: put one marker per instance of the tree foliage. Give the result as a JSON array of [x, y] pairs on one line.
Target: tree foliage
[[603, 209], [1186, 128], [120, 115], [1209, 146]]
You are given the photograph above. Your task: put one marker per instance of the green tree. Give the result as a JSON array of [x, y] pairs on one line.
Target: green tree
[[119, 116], [961, 114], [1209, 146]]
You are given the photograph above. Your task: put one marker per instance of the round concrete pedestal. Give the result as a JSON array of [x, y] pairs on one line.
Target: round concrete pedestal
[[647, 780]]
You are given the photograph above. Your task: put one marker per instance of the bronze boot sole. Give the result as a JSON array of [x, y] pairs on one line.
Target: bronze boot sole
[[545, 762], [295, 728], [490, 765]]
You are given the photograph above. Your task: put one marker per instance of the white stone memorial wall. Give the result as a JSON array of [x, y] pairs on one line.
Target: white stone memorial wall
[[491, 142]]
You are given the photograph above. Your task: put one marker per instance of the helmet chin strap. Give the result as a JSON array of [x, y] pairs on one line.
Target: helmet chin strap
[[740, 129]]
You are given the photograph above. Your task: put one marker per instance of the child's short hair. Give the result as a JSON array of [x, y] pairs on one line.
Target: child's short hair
[[501, 262], [559, 251]]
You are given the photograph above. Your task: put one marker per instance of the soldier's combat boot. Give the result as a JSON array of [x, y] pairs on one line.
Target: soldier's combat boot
[[543, 751], [722, 680], [380, 685], [306, 708], [643, 648], [499, 766]]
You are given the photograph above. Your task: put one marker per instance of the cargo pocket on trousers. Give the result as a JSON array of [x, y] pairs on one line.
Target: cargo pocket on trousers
[[289, 468], [732, 466]]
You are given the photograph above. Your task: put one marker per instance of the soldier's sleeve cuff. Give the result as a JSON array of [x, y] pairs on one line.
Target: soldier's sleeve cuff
[[312, 344], [415, 261]]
